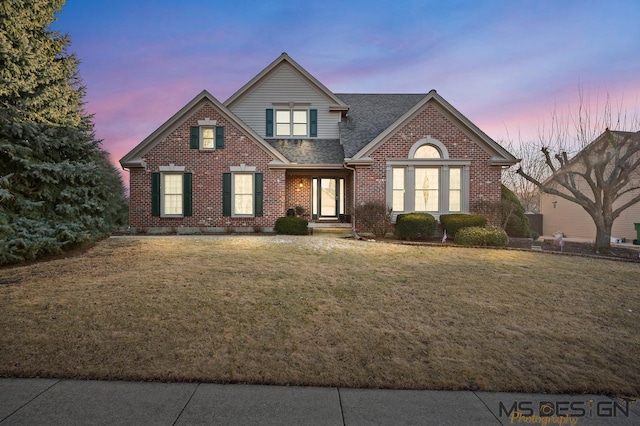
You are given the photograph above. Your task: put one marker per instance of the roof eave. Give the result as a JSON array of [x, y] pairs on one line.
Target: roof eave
[[291, 166]]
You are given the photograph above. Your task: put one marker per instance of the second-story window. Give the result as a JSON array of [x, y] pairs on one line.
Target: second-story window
[[292, 122]]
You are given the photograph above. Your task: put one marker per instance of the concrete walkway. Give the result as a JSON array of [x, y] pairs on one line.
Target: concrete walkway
[[75, 402]]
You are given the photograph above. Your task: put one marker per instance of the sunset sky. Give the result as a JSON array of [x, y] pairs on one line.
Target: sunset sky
[[505, 64]]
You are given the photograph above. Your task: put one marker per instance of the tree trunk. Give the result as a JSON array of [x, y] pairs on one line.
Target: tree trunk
[[603, 233]]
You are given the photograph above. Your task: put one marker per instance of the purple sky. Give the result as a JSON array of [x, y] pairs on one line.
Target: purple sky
[[504, 64]]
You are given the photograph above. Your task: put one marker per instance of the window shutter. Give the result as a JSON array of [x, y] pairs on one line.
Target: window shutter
[[155, 194], [226, 194], [219, 137], [187, 197], [258, 196], [194, 137], [313, 122], [269, 129]]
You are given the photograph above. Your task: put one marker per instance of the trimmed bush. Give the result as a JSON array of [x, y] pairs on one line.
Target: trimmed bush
[[415, 225], [375, 217], [478, 236], [453, 222], [291, 226]]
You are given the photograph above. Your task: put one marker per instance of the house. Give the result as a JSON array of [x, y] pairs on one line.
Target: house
[[561, 215], [284, 140]]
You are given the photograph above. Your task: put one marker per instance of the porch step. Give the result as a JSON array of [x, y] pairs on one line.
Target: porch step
[[331, 229]]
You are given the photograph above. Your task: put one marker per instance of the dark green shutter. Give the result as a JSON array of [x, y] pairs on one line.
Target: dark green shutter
[[155, 194], [313, 122], [187, 197], [269, 129], [194, 137], [219, 137], [226, 194], [258, 197]]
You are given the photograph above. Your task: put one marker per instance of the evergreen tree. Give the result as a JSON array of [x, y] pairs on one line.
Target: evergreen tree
[[57, 186]]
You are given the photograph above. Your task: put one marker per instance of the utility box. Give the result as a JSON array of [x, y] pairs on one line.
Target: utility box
[[637, 240]]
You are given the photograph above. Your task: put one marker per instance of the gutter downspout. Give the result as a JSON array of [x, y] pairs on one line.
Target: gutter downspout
[[353, 213]]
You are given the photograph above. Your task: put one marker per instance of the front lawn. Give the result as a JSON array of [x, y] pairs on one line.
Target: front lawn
[[325, 312]]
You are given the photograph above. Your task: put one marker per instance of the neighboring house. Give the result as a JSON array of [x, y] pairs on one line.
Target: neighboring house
[[560, 215], [285, 140]]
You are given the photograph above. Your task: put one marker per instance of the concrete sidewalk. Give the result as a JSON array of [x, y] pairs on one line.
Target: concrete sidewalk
[[75, 402]]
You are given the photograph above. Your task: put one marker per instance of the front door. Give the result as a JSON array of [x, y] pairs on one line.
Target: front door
[[328, 198]]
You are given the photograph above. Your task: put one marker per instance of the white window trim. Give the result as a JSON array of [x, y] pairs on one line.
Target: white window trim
[[291, 110], [444, 152], [173, 170], [233, 191], [242, 169], [443, 191], [207, 123]]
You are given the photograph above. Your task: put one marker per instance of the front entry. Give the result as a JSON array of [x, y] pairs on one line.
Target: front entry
[[328, 198]]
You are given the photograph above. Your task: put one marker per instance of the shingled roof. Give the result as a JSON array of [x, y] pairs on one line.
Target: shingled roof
[[310, 151], [369, 115]]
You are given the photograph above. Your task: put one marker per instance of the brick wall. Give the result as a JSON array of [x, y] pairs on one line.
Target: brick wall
[[484, 180], [207, 168]]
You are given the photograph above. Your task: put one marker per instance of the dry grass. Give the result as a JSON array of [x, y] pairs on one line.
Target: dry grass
[[322, 311]]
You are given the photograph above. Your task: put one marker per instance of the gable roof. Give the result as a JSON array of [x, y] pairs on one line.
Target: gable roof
[[338, 105], [499, 155], [134, 157], [369, 115]]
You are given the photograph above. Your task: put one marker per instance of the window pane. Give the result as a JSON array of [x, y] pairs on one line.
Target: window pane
[[397, 183], [455, 189], [314, 197], [207, 137], [243, 193], [243, 204], [300, 117], [299, 130], [283, 116], [283, 123], [427, 183], [398, 178], [342, 196], [427, 151], [283, 130], [455, 178], [172, 194]]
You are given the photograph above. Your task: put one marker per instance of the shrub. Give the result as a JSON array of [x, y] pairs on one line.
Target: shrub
[[375, 217], [415, 225], [291, 226], [453, 222], [514, 221], [478, 236]]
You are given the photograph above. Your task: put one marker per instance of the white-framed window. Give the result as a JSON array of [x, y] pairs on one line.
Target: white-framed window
[[398, 191], [427, 189], [207, 137], [291, 122], [242, 194], [455, 189], [172, 194], [428, 180]]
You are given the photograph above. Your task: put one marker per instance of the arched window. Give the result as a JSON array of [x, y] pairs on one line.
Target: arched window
[[427, 151], [428, 180]]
